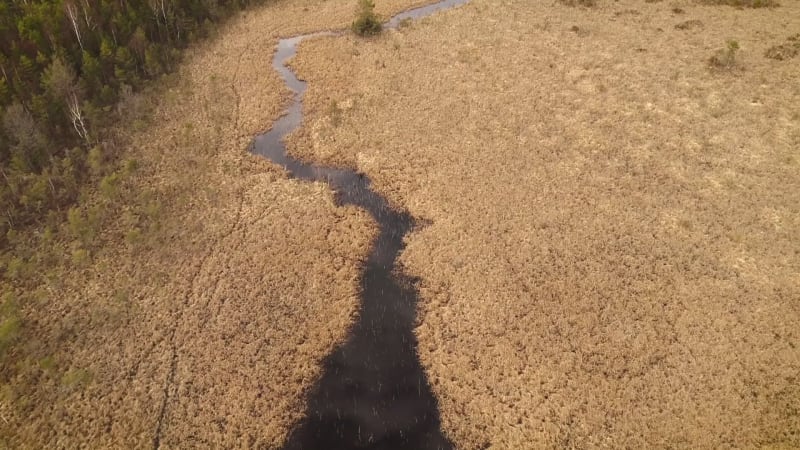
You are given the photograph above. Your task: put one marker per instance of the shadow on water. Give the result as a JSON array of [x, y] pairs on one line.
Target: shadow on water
[[373, 392]]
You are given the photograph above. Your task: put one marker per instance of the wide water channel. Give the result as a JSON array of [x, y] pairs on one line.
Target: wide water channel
[[373, 392]]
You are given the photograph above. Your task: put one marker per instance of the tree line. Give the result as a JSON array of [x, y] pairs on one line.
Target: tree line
[[63, 65]]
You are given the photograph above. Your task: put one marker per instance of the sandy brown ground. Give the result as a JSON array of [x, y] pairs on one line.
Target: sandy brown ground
[[208, 333], [614, 255]]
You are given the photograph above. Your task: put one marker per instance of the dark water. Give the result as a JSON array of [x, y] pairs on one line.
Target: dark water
[[373, 392]]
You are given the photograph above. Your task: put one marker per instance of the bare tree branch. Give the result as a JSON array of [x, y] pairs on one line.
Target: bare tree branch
[[72, 13], [76, 115]]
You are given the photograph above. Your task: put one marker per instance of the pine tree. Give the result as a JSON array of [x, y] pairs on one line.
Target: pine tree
[[91, 73], [62, 63], [125, 67]]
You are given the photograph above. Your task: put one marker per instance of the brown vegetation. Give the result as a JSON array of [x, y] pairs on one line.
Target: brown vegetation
[[785, 51], [743, 3], [587, 3], [689, 25], [612, 258], [188, 300], [614, 246]]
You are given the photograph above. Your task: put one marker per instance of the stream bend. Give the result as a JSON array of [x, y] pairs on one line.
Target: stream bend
[[373, 392]]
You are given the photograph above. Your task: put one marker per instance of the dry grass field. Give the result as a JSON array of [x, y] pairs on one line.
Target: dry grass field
[[205, 330], [613, 259]]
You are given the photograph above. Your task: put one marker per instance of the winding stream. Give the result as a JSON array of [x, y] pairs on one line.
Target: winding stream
[[373, 392]]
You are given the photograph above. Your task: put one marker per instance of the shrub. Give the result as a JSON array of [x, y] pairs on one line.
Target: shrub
[[75, 378], [96, 160], [130, 166], [9, 322], [782, 52], [84, 228], [47, 364], [9, 331], [725, 58], [133, 237], [367, 23], [77, 226], [16, 268], [109, 185], [579, 2], [785, 51], [81, 257], [689, 24], [744, 3], [335, 113]]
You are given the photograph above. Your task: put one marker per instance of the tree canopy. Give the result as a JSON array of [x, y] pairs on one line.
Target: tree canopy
[[63, 64]]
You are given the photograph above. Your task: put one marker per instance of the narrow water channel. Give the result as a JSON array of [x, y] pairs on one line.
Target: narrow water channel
[[373, 392]]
